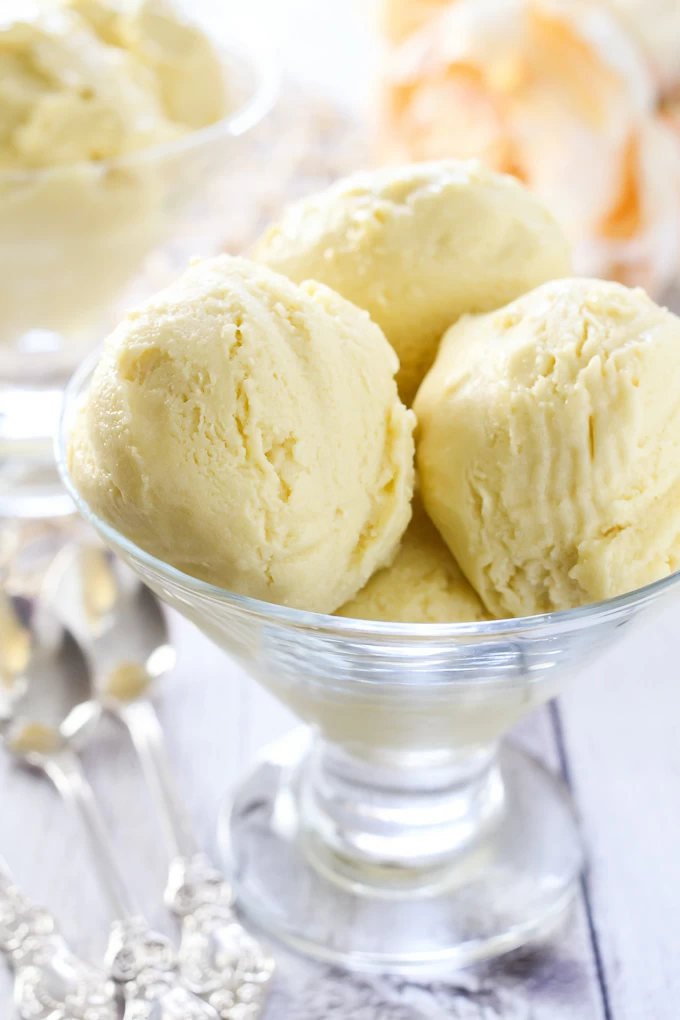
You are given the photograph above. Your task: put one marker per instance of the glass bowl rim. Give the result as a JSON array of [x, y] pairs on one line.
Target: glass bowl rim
[[580, 617], [257, 53]]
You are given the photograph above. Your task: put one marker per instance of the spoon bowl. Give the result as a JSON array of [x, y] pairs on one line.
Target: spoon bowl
[[48, 708], [46, 697], [122, 625], [118, 621]]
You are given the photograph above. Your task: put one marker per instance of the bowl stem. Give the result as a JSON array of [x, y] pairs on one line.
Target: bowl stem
[[395, 821]]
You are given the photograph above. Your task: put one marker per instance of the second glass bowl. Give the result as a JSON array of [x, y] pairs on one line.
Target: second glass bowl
[[399, 830], [78, 243]]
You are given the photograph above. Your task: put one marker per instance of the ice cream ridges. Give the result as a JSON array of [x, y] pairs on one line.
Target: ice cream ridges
[[248, 431], [188, 72], [86, 80], [246, 428], [418, 246], [423, 584], [549, 446]]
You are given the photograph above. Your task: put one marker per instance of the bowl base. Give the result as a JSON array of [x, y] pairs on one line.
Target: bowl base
[[30, 486], [510, 886]]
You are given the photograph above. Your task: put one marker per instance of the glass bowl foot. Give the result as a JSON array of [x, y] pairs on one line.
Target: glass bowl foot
[[508, 886]]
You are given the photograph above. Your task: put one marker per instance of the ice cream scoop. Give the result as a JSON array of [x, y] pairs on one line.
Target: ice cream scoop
[[188, 73], [65, 96], [248, 431], [424, 584], [558, 93], [549, 446], [417, 246], [81, 95]]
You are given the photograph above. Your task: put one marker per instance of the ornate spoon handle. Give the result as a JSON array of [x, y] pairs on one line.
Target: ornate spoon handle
[[145, 965], [50, 982], [141, 961], [218, 959]]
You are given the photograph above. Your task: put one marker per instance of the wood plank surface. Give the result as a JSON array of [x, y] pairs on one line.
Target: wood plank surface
[[621, 733]]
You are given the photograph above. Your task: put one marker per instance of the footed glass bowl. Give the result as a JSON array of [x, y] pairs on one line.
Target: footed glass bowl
[[80, 242], [398, 830]]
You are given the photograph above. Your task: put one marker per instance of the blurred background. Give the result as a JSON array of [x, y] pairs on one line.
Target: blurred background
[[577, 98]]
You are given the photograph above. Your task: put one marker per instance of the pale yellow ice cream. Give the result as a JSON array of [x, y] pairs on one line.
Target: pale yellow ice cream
[[189, 73], [76, 216], [67, 96], [549, 446], [418, 246], [424, 584], [248, 431]]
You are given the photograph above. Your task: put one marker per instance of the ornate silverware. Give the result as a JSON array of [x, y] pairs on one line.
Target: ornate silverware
[[50, 981], [122, 626], [48, 709]]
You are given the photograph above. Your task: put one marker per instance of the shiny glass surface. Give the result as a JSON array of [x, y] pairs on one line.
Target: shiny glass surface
[[399, 830]]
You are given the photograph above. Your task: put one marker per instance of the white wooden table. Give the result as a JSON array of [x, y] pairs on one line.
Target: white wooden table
[[614, 735]]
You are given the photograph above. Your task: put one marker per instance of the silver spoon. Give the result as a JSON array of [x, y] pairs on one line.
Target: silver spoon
[[122, 625], [47, 711], [50, 981]]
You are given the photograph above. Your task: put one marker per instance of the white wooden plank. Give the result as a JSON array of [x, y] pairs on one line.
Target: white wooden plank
[[620, 724]]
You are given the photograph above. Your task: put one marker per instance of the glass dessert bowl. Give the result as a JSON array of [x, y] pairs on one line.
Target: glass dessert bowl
[[80, 241], [398, 830]]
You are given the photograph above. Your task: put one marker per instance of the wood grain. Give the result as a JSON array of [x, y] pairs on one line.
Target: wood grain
[[621, 731]]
